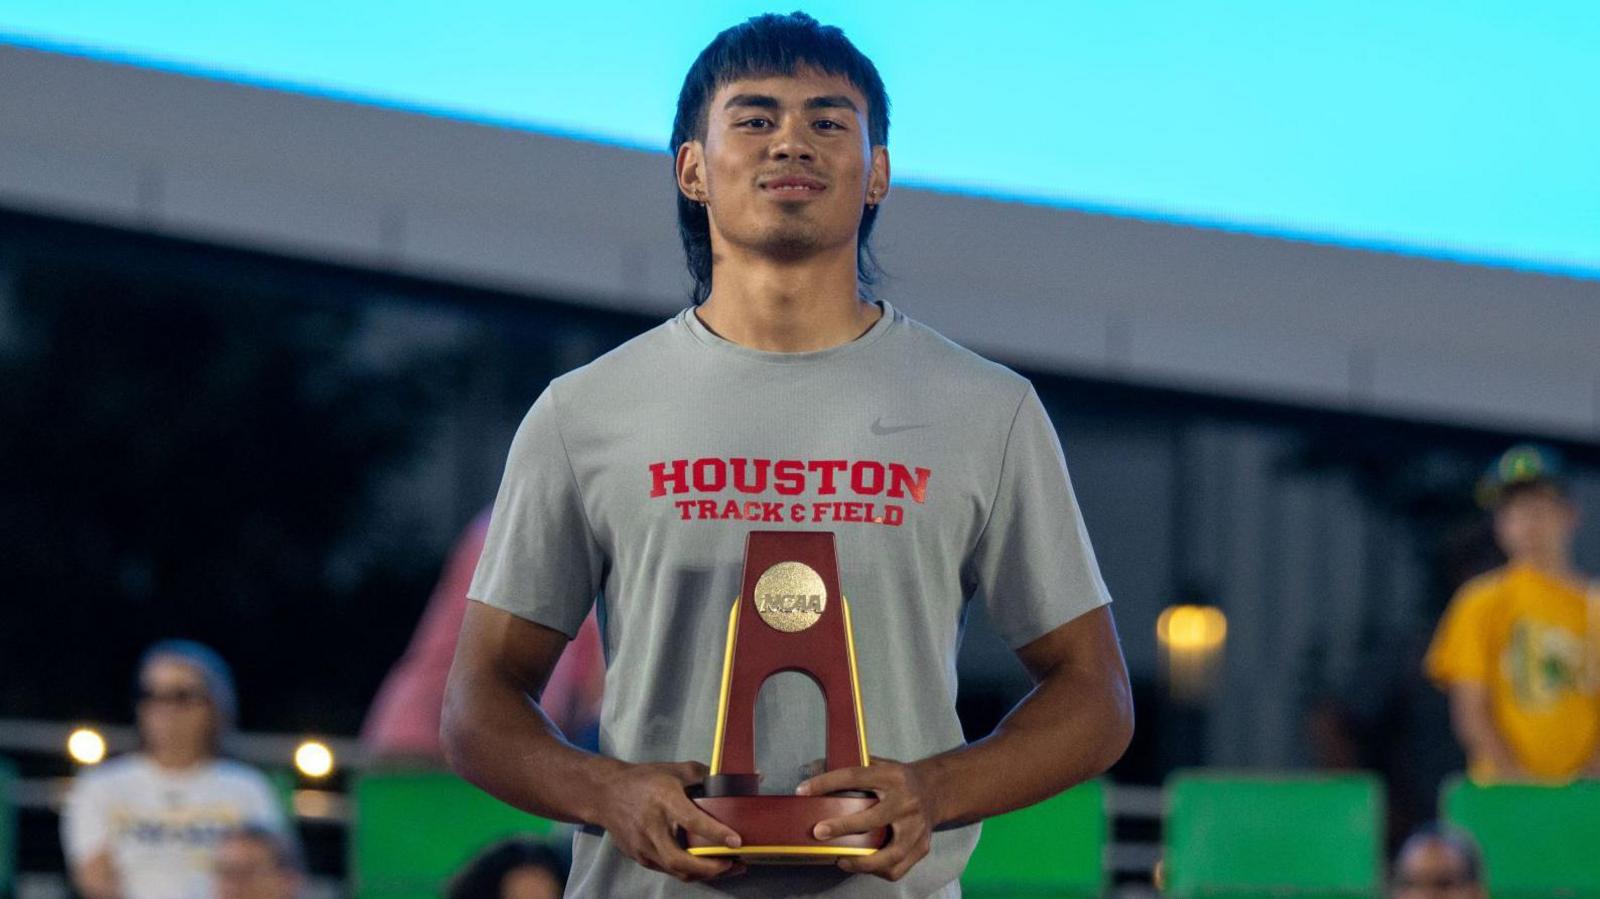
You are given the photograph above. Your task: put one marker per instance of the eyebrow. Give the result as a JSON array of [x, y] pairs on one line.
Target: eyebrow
[[767, 101]]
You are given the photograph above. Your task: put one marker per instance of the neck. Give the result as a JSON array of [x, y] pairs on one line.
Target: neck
[[176, 759], [1554, 562], [786, 306]]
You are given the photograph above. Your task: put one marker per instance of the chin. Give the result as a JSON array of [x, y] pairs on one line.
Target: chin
[[788, 242]]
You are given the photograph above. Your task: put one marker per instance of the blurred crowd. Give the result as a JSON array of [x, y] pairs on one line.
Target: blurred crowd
[[1517, 652]]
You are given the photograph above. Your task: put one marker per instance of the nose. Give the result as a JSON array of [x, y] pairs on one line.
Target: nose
[[792, 141]]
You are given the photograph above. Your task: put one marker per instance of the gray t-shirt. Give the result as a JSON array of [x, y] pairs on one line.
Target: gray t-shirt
[[634, 480]]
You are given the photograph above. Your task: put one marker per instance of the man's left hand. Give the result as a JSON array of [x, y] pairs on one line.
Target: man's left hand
[[904, 805]]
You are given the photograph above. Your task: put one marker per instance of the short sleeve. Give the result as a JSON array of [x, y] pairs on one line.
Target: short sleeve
[[1032, 565], [85, 831], [262, 805], [540, 559], [1461, 650]]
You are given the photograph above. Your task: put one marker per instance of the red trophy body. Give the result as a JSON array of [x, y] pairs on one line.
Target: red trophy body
[[790, 616]]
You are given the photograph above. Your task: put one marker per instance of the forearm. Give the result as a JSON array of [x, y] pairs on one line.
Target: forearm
[[497, 737], [1473, 722], [1486, 743], [96, 878], [1071, 727]]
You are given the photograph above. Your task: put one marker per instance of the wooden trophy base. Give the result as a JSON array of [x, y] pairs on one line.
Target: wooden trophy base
[[776, 830]]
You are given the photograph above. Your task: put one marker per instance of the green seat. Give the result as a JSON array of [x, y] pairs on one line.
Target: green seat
[[1536, 841], [284, 782], [1273, 835], [8, 829], [414, 829], [1055, 848]]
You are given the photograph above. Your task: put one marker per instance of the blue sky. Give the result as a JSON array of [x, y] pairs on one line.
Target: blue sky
[[1466, 130]]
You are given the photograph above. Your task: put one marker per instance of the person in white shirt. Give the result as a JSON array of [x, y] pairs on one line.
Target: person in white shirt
[[146, 824]]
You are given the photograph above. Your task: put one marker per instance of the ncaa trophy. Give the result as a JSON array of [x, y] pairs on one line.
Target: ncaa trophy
[[790, 616]]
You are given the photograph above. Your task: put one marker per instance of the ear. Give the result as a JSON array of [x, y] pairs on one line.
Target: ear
[[878, 176], [691, 171]]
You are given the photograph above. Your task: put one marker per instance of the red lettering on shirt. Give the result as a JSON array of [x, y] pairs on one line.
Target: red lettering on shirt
[[863, 478], [659, 478]]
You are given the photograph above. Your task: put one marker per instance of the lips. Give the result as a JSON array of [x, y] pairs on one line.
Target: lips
[[794, 184]]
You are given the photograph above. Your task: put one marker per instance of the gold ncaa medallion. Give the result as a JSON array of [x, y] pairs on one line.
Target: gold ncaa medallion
[[790, 596]]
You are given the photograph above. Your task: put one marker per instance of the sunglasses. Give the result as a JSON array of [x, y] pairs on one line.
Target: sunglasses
[[182, 697]]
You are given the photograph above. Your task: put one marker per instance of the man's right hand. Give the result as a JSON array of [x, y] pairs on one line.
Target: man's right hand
[[499, 740], [644, 806]]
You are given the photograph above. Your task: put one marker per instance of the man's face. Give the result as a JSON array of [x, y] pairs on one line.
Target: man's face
[[1535, 522], [247, 869], [786, 166], [175, 709], [1433, 869]]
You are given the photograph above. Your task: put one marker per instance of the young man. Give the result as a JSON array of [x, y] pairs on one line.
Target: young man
[[783, 400], [1519, 647]]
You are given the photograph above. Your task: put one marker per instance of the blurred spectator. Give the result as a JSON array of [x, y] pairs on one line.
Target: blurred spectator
[[1438, 863], [146, 825], [515, 869], [1335, 735], [403, 723], [255, 862], [1518, 648]]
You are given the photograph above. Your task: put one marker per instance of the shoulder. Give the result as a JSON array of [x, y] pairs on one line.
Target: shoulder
[[932, 348], [1480, 597], [123, 768], [635, 357], [239, 774], [109, 778], [1484, 588], [945, 362]]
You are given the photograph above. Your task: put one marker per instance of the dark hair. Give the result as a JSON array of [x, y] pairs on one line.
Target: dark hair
[[484, 875], [286, 855], [1454, 837], [771, 44]]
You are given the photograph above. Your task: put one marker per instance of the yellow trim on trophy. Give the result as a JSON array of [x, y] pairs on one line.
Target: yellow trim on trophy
[[705, 851], [855, 682], [722, 696]]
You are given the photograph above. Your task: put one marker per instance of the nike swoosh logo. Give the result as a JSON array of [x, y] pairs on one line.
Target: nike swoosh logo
[[879, 428]]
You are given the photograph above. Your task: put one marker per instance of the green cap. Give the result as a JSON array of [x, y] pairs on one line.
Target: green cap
[[1525, 463]]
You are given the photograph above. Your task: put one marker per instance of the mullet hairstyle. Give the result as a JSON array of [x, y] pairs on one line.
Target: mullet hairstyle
[[764, 46]]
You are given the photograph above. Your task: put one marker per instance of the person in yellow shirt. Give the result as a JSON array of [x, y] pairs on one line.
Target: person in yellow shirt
[[1518, 649]]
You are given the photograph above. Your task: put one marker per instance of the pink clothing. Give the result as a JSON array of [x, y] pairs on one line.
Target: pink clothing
[[404, 718]]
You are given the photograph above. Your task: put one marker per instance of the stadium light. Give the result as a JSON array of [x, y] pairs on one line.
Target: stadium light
[[314, 759], [1192, 628], [1191, 639], [86, 746]]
